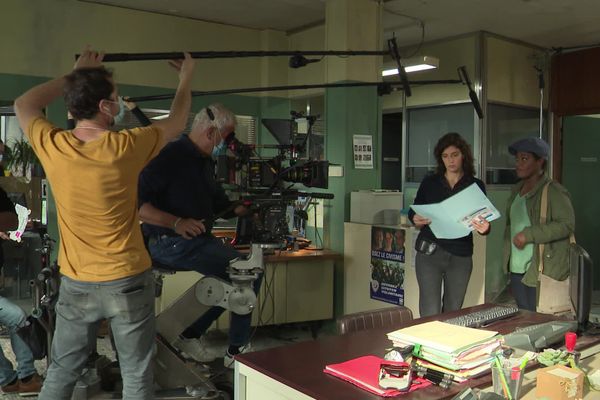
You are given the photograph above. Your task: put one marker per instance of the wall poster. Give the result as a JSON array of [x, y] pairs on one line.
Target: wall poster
[[387, 265], [363, 151]]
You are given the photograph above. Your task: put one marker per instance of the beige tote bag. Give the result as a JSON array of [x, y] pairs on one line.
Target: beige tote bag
[[553, 295]]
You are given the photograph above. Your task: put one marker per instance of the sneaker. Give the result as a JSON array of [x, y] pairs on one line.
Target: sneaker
[[32, 386], [229, 360], [194, 349]]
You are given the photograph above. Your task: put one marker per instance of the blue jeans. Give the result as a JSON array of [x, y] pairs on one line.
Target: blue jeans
[[128, 304], [209, 256], [437, 269], [13, 317], [526, 296]]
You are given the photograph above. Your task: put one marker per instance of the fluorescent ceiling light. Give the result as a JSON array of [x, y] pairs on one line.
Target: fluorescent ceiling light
[[421, 63], [163, 116]]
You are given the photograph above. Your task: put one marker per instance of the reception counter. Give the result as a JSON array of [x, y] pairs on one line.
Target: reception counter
[[357, 270]]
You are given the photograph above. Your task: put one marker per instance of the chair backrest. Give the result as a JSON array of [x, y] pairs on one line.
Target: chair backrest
[[381, 318]]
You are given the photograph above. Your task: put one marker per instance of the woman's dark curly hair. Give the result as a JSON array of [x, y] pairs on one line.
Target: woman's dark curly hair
[[84, 89], [454, 139]]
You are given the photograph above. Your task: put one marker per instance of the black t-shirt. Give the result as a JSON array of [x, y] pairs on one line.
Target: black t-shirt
[[180, 181], [5, 206], [434, 189]]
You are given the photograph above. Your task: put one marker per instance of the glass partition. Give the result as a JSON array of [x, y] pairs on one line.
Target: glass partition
[[426, 126]]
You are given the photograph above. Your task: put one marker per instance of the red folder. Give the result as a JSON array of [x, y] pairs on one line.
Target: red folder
[[364, 373]]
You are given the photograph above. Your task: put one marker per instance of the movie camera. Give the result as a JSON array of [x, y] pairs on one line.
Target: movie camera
[[269, 184]]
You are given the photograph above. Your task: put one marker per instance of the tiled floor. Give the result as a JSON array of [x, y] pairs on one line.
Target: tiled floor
[[263, 338]]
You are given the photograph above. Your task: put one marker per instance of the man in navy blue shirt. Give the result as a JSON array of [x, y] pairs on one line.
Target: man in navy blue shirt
[[179, 198]]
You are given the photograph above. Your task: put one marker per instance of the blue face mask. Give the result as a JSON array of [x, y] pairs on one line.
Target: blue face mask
[[219, 149], [120, 115]]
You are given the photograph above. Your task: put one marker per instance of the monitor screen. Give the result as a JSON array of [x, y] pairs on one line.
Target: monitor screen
[[580, 283], [281, 129]]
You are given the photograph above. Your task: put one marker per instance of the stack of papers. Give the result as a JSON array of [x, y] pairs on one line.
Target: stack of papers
[[463, 352]]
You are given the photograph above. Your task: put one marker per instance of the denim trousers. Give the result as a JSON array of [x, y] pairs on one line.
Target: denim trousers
[[437, 269], [525, 296], [207, 255], [13, 317], [128, 304]]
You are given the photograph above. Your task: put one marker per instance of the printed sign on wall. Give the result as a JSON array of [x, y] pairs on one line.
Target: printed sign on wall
[[363, 151]]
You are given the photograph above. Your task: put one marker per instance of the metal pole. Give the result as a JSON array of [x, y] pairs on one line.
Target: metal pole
[[395, 54], [112, 57], [287, 87]]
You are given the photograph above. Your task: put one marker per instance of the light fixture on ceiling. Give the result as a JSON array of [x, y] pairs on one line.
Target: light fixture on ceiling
[[414, 64]]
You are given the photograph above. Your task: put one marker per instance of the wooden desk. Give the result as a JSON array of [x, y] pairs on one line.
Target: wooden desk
[[296, 371]]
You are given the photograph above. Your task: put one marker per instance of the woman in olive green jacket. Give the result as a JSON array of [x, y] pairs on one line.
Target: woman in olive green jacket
[[524, 232]]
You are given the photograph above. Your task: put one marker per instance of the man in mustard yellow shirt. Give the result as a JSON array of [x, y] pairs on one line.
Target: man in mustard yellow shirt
[[93, 173]]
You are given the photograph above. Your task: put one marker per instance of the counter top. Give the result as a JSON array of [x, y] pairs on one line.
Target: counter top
[[303, 254]]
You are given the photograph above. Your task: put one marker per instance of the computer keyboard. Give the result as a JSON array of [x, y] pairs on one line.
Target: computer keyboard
[[484, 317], [539, 336]]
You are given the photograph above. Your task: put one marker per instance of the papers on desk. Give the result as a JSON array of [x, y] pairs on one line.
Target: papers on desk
[[443, 337], [459, 375], [464, 352], [451, 218]]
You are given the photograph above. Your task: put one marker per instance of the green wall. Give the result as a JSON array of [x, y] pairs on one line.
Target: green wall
[[581, 150], [350, 111]]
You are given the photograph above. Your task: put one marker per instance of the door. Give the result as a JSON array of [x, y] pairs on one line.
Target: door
[[581, 176], [391, 152]]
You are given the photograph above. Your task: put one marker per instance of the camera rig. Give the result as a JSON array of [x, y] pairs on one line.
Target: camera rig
[[269, 185]]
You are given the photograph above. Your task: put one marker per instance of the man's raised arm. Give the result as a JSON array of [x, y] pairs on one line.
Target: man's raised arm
[[176, 122], [31, 104]]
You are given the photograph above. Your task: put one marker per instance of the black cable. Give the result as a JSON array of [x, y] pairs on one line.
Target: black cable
[[421, 24], [293, 87]]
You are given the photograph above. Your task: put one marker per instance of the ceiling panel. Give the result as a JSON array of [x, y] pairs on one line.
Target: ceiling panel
[[547, 23], [283, 15]]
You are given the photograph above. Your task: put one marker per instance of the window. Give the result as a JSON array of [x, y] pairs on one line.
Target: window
[[245, 130], [10, 131], [505, 125], [426, 126], [315, 106]]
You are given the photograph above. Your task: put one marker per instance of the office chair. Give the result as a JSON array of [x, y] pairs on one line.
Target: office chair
[[381, 318]]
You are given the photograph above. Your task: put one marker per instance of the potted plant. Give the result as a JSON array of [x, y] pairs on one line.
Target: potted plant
[[21, 159]]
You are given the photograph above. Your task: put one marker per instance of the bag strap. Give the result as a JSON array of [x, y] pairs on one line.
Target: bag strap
[[543, 215]]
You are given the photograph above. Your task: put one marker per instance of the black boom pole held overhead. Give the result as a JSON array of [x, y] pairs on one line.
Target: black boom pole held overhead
[[115, 57], [297, 60]]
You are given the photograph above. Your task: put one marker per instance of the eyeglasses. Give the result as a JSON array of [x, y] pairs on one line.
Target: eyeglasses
[[393, 370], [396, 375]]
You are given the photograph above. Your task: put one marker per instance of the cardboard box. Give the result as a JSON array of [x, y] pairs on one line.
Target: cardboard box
[[559, 383]]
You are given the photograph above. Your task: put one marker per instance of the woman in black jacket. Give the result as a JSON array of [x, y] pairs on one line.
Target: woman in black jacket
[[445, 261]]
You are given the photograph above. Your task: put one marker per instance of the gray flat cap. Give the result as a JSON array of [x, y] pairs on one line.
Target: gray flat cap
[[532, 145]]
